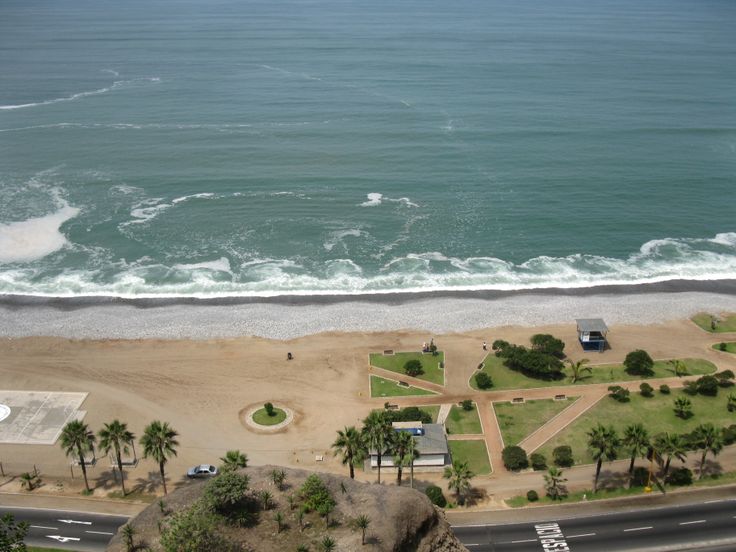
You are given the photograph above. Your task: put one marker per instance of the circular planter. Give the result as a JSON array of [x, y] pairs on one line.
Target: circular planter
[[255, 414]]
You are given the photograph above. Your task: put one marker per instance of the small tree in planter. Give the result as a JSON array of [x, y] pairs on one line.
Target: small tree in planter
[[268, 407]]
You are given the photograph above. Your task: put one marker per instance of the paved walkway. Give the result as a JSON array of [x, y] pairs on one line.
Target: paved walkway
[[444, 413]]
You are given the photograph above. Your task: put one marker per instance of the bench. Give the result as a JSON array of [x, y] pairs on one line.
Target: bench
[[517, 400]]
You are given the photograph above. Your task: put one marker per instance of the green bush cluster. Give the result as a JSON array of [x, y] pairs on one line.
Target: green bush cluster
[[533, 363], [514, 458], [435, 495]]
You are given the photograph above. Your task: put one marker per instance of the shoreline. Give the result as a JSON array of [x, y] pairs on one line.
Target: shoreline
[[290, 317]]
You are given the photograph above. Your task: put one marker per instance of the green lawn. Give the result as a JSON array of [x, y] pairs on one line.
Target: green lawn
[[730, 347], [432, 410], [431, 364], [474, 453], [381, 387], [461, 421], [504, 378], [260, 417], [655, 413], [517, 421], [727, 323]]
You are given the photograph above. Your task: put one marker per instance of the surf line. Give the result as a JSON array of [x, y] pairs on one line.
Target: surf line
[[551, 537]]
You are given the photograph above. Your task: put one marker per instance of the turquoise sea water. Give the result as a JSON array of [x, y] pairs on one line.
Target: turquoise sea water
[[215, 148]]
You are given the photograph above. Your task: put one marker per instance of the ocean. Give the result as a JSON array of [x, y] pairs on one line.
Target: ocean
[[223, 148]]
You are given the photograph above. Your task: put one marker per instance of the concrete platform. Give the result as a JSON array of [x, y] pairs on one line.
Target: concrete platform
[[37, 417]]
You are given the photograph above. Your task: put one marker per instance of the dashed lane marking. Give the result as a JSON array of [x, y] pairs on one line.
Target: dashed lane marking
[[691, 522], [43, 527], [638, 529], [579, 536], [99, 533], [525, 540]]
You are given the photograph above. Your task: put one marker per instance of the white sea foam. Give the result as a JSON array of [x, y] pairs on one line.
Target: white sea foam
[[204, 195], [337, 237], [36, 237], [220, 265], [146, 210], [375, 199], [116, 85]]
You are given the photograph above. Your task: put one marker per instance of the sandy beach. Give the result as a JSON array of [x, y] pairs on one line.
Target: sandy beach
[[203, 386]]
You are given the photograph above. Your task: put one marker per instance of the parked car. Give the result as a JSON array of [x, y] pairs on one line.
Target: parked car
[[203, 470]]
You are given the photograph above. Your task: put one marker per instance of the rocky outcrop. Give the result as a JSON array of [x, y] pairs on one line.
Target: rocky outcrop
[[401, 519]]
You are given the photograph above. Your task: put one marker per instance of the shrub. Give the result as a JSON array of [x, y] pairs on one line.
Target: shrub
[[563, 456], [725, 378], [690, 388], [227, 492], [514, 458], [619, 393], [664, 389], [315, 495], [729, 435], [467, 404], [269, 409], [413, 368], [639, 363], [646, 390], [683, 408], [483, 380], [532, 496], [731, 405], [680, 477], [193, 530], [723, 346], [408, 414], [640, 477], [707, 385], [538, 461], [548, 344], [435, 495]]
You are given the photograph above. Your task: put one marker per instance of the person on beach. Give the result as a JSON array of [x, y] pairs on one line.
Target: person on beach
[[485, 346], [289, 356]]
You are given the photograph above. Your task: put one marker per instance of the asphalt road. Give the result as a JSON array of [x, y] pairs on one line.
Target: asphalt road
[[79, 531], [705, 526]]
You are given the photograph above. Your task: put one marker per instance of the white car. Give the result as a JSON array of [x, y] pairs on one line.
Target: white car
[[203, 470]]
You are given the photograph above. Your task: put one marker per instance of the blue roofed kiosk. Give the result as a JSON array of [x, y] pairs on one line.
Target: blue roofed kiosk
[[592, 334]]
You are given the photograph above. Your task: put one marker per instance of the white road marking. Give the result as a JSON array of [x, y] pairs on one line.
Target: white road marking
[[578, 536], [472, 544], [63, 539], [713, 501], [691, 522], [69, 521], [526, 540], [638, 529], [44, 527], [103, 533]]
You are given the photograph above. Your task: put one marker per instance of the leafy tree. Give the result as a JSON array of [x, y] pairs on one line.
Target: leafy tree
[[532, 496], [408, 414], [467, 405], [362, 522], [690, 388], [646, 390], [683, 407], [637, 439], [77, 439], [458, 476], [729, 435], [731, 405], [483, 380], [679, 367], [435, 495], [563, 456], [707, 385], [328, 544], [193, 530], [270, 410], [226, 493], [664, 389], [671, 446], [433, 348], [554, 484], [639, 363], [538, 460], [725, 378], [602, 444], [233, 460], [351, 446], [116, 437], [315, 494], [618, 393], [159, 442], [514, 458], [533, 364], [709, 439], [378, 435], [577, 368], [404, 448], [12, 534], [680, 477], [548, 344], [413, 368], [723, 346]]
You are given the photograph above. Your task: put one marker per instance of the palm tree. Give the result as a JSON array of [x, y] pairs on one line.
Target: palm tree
[[577, 368], [709, 439], [77, 439], [362, 522], [115, 436], [554, 484], [350, 445], [378, 435], [683, 407], [637, 439], [159, 442], [458, 476], [671, 446], [405, 452], [602, 443], [233, 460]]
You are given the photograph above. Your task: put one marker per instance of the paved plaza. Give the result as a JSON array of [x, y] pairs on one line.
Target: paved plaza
[[37, 417]]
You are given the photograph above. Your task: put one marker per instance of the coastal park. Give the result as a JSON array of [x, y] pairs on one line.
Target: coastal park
[[336, 380]]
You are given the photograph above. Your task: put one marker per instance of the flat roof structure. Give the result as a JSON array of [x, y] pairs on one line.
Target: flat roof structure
[[592, 334], [592, 325]]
